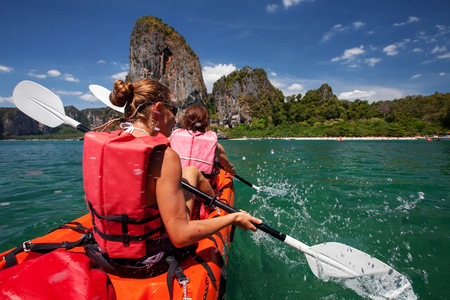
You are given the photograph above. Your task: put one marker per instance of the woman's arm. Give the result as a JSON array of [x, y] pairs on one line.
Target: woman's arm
[[221, 155], [175, 215]]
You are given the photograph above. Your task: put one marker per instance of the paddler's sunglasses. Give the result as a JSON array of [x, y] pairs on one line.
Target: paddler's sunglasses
[[173, 109]]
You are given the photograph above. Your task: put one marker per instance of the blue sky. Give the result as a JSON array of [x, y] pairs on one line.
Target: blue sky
[[366, 49]]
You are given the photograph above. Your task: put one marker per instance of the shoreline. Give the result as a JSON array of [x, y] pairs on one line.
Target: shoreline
[[370, 138]]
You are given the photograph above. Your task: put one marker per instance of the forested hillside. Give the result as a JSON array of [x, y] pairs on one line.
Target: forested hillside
[[316, 114], [320, 113]]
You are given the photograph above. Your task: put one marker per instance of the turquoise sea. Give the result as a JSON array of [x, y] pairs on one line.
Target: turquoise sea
[[389, 199]]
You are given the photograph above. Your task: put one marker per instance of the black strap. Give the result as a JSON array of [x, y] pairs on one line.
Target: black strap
[[118, 218], [174, 269], [205, 265], [128, 238], [45, 248], [125, 236], [123, 269], [78, 227]]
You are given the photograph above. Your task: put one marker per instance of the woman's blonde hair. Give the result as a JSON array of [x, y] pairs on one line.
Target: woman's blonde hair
[[138, 97]]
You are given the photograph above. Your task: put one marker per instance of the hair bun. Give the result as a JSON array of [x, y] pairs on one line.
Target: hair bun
[[122, 93]]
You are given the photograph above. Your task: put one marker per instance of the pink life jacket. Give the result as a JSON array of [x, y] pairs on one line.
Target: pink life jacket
[[115, 174], [195, 148]]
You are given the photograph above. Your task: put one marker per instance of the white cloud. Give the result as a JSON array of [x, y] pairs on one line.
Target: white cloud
[[67, 93], [289, 3], [350, 55], [40, 76], [340, 28], [291, 85], [356, 94], [444, 56], [442, 74], [271, 8], [53, 73], [439, 49], [358, 24], [6, 69], [372, 61], [327, 36], [391, 50], [273, 74], [69, 77], [101, 61], [410, 20], [296, 88], [213, 73], [88, 97], [278, 83], [416, 76], [119, 76], [373, 94], [417, 50], [6, 99]]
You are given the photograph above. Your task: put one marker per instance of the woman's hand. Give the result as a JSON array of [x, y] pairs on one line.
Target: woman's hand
[[245, 220]]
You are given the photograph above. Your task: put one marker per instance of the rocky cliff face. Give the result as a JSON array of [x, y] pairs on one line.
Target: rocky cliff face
[[15, 123], [158, 52], [243, 95]]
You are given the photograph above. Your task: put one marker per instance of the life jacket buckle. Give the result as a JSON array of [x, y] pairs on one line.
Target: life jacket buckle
[[218, 211], [184, 282], [24, 246]]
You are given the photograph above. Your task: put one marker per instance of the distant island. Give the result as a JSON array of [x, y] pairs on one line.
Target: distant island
[[312, 115]]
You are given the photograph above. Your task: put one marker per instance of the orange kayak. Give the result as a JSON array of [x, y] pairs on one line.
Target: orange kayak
[[200, 286]]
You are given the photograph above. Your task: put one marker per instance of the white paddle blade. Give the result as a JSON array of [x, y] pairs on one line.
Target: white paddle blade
[[371, 277], [359, 262], [102, 94], [39, 103]]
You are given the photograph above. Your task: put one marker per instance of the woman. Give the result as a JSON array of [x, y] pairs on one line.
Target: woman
[[135, 175], [196, 145]]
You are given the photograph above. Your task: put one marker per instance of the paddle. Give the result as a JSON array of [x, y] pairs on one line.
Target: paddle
[[103, 93], [42, 105], [357, 270], [257, 188]]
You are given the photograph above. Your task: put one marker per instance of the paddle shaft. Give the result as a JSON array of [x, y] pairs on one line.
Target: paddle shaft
[[83, 128], [213, 201], [244, 181]]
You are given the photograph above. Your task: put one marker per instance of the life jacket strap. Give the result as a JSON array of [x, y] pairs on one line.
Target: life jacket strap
[[125, 238], [119, 219]]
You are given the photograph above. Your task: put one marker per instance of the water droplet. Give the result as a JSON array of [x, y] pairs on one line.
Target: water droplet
[[244, 158]]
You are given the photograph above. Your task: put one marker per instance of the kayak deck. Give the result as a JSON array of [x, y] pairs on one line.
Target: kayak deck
[[213, 251]]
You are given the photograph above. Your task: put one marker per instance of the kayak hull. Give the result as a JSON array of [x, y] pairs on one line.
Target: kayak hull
[[200, 286]]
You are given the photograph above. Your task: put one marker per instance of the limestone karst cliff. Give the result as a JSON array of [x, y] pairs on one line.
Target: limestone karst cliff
[[243, 95], [158, 52]]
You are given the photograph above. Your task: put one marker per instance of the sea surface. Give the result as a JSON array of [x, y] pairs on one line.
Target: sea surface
[[389, 199]]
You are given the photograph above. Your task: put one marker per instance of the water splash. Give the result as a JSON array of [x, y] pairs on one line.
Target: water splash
[[381, 286]]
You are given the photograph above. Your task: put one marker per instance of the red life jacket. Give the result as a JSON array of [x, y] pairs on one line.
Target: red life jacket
[[115, 174], [195, 148]]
